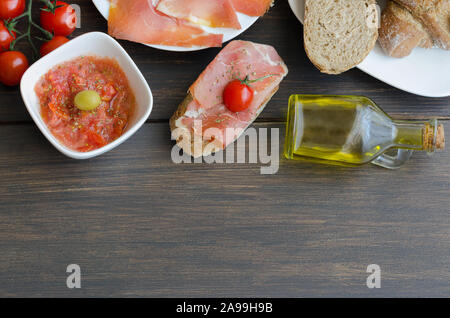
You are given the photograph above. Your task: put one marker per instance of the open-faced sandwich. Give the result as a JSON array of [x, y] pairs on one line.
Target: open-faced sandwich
[[227, 97]]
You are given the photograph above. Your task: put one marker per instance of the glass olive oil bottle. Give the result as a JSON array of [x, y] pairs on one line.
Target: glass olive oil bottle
[[353, 130]]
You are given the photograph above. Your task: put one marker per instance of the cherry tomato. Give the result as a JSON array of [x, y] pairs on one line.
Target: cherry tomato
[[13, 64], [237, 96], [53, 44], [11, 8], [5, 37], [62, 22]]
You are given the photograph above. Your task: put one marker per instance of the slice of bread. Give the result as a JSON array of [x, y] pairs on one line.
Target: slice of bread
[[339, 34], [401, 32]]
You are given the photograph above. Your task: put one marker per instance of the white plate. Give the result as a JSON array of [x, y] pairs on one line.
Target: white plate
[[424, 72], [228, 34]]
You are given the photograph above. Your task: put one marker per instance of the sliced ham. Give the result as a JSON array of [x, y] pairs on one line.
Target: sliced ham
[[139, 21], [216, 14], [254, 8], [238, 60], [205, 105]]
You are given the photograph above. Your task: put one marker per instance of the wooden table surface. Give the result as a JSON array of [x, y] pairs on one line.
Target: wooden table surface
[[140, 225]]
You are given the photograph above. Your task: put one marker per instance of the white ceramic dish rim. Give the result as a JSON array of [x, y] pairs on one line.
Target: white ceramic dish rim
[[37, 117], [377, 57], [228, 34]]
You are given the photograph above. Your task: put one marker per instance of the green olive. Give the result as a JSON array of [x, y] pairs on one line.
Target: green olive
[[87, 100]]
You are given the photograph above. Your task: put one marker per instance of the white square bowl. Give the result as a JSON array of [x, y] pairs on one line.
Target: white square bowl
[[96, 44]]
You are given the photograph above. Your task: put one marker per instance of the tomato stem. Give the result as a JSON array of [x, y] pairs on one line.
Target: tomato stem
[[37, 26], [247, 81], [12, 23], [11, 27], [50, 6]]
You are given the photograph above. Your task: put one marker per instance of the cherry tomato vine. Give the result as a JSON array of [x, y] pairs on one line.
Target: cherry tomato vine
[[57, 21], [11, 25], [50, 11]]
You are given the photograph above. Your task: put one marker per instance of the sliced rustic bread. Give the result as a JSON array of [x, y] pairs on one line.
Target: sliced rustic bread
[[401, 32], [339, 34]]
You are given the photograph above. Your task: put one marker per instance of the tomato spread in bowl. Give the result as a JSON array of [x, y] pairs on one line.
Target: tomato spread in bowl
[[82, 130]]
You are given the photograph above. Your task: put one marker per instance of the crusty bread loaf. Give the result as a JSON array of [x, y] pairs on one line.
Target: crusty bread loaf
[[435, 16], [339, 34], [406, 24], [400, 32]]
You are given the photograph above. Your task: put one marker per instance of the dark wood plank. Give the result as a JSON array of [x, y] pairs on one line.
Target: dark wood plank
[[140, 225], [170, 73]]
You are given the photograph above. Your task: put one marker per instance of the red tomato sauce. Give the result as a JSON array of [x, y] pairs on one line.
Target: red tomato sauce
[[86, 130]]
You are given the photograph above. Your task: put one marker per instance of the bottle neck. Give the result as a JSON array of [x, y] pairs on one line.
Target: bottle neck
[[419, 135]]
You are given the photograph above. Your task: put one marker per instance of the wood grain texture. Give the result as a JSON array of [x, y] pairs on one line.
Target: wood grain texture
[[140, 225], [171, 73]]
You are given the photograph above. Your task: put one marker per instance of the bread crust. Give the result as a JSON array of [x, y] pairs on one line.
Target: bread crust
[[400, 33], [434, 15], [322, 68]]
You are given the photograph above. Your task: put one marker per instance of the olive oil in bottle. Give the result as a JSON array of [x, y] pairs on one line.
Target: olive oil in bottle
[[353, 130]]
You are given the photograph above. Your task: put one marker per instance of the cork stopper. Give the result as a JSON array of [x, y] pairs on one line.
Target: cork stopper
[[433, 138], [440, 138]]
